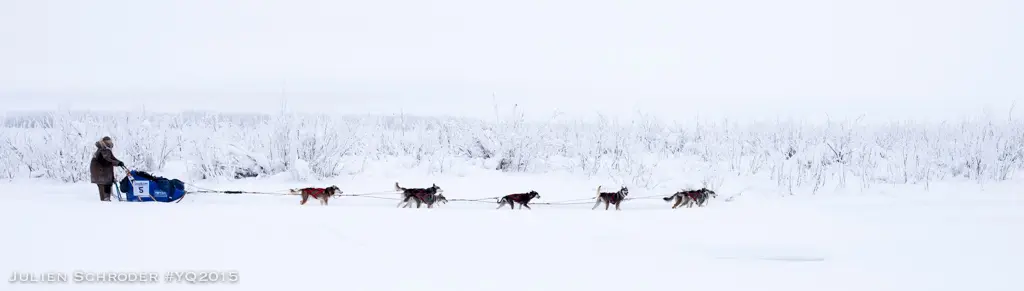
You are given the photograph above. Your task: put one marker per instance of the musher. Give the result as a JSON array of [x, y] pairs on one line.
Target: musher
[[102, 167]]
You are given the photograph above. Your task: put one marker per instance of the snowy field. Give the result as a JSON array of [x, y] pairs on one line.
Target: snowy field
[[800, 206], [958, 236]]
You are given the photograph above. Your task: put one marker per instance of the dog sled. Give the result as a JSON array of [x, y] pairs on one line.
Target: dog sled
[[139, 186]]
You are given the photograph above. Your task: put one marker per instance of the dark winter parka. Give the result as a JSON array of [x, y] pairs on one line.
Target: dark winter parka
[[103, 163]]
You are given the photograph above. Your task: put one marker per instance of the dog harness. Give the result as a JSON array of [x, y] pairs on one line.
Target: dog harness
[[613, 196], [424, 196], [695, 195], [314, 192]]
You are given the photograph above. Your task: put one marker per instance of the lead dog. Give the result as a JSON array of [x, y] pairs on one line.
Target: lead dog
[[421, 196], [610, 198], [681, 198], [322, 194], [522, 198], [700, 197]]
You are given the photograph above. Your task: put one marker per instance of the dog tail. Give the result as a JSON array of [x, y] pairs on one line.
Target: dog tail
[[398, 188], [669, 198], [598, 192]]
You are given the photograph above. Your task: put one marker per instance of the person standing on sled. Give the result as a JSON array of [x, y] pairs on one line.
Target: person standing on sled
[[102, 167]]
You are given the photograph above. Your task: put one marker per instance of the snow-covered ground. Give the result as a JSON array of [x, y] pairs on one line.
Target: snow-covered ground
[[857, 145], [958, 236]]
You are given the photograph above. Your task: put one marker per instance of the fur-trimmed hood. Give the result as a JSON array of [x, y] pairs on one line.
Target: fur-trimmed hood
[[100, 144]]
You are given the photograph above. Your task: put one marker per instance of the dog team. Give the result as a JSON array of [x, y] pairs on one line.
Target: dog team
[[433, 194]]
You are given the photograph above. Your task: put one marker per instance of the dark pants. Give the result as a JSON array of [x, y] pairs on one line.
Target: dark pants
[[105, 191]]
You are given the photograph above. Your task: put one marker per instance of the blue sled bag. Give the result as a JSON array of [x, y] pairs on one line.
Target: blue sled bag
[[140, 186]]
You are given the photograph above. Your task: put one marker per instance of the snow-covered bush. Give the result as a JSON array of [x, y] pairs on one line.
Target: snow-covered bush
[[640, 151]]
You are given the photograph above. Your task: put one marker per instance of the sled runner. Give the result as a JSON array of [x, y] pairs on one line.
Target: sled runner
[[140, 186]]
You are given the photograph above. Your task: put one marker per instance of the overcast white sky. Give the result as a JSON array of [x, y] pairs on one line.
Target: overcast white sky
[[882, 58]]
